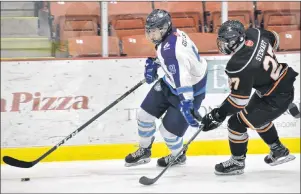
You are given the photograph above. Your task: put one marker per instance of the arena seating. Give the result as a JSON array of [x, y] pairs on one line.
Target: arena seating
[[75, 27], [90, 46], [242, 11], [279, 16], [289, 40], [187, 16], [128, 18]]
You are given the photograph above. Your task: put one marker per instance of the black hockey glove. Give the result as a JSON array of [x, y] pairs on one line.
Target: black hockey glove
[[212, 120]]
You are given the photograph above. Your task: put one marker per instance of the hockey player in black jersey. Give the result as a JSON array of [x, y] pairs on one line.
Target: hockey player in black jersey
[[252, 65]]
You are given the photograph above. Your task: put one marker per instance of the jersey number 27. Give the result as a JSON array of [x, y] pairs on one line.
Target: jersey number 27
[[270, 60]]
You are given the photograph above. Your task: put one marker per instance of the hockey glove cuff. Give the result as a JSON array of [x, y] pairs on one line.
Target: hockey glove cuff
[[212, 120], [186, 108], [151, 69]]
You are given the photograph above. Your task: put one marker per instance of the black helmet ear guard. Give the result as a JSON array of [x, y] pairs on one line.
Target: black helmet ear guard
[[230, 36], [158, 25]]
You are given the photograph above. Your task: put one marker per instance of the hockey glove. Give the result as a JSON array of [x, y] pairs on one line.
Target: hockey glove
[[186, 108], [150, 72], [212, 120]]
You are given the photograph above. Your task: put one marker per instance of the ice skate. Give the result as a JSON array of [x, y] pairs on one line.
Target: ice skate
[[141, 156], [164, 161], [234, 166], [279, 154]]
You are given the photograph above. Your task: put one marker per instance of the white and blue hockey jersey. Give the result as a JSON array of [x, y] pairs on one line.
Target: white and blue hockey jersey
[[185, 71]]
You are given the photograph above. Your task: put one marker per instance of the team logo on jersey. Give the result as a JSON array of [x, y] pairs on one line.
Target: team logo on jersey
[[166, 46], [172, 69], [158, 87], [249, 43]]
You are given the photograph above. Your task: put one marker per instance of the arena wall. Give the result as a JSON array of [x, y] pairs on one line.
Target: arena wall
[[43, 101]]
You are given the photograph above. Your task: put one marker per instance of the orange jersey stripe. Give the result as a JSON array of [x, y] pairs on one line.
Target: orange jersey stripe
[[245, 120], [235, 105], [239, 96], [238, 141], [265, 129], [234, 132], [276, 83]]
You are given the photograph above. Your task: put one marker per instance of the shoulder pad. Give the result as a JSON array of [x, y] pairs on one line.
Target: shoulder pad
[[168, 46], [242, 58]]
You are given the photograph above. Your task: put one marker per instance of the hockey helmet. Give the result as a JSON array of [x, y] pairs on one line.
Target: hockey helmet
[[230, 36], [158, 26]]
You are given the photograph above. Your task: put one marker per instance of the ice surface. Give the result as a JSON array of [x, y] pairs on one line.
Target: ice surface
[[111, 176]]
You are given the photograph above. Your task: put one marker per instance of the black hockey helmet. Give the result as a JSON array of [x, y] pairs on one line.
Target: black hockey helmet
[[230, 36], [158, 25]]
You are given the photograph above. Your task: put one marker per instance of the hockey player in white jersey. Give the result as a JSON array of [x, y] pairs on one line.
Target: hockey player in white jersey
[[178, 94]]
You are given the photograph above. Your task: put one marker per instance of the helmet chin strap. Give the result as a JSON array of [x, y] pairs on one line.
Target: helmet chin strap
[[165, 35], [238, 46]]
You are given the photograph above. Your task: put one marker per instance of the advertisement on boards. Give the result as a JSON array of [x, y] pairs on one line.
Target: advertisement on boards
[[44, 101]]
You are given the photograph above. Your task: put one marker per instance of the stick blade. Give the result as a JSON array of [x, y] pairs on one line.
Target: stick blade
[[146, 181], [17, 163]]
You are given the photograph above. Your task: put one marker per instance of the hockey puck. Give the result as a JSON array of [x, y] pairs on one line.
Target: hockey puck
[[25, 179]]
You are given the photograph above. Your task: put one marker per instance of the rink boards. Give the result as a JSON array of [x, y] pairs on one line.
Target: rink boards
[[44, 101]]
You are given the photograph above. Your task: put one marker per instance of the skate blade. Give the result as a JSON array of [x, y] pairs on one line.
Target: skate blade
[[283, 160], [235, 172], [140, 162], [174, 165]]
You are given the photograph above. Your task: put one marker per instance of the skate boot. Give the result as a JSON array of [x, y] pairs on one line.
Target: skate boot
[[234, 166], [141, 156], [279, 154], [164, 161]]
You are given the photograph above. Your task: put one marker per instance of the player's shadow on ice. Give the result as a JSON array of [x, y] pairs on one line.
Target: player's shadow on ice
[[273, 173]]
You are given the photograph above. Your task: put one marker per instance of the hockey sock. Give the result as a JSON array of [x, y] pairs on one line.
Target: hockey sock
[[238, 136], [238, 142], [146, 128], [268, 133], [173, 142]]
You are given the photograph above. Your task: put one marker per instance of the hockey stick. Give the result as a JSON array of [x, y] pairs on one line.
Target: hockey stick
[[23, 164], [293, 109], [149, 181]]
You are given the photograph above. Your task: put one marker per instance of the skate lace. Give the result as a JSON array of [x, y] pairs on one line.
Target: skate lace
[[276, 150], [271, 156], [138, 153], [230, 162], [168, 158], [273, 153]]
